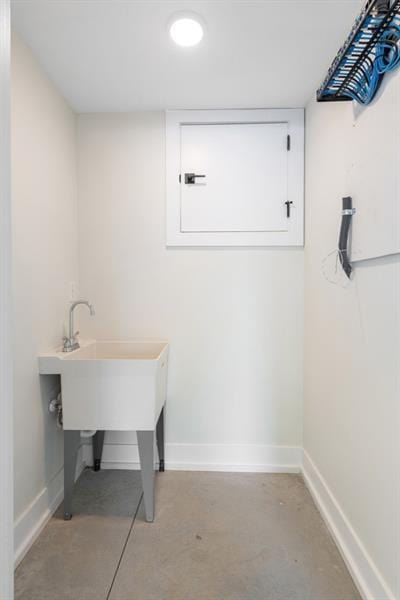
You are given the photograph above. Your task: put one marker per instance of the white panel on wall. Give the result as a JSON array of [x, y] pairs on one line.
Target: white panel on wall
[[235, 178], [243, 182], [373, 174]]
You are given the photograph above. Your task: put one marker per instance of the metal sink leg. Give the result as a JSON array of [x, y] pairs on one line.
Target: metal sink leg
[[72, 441]]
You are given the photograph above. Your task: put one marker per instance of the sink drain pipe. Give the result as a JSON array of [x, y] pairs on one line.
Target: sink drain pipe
[[55, 406], [88, 433]]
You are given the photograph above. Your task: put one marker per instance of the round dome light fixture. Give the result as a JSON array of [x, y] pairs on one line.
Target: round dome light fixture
[[186, 29]]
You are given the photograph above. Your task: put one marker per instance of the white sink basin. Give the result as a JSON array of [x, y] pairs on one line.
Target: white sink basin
[[111, 385]]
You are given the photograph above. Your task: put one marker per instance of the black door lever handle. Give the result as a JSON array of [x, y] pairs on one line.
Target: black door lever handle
[[190, 178], [288, 203]]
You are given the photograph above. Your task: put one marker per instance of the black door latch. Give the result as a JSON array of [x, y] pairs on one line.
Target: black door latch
[[190, 178], [288, 203]]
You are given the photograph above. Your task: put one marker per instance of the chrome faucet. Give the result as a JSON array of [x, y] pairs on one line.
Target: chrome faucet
[[71, 342]]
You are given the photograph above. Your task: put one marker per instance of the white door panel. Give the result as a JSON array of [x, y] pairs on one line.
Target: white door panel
[[251, 177], [246, 177]]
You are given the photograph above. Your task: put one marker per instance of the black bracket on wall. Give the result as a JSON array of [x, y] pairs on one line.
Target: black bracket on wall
[[347, 215], [371, 50]]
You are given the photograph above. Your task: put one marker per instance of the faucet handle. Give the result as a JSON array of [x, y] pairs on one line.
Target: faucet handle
[[76, 333]]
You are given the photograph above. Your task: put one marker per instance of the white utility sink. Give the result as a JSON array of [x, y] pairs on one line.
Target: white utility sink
[[110, 385]]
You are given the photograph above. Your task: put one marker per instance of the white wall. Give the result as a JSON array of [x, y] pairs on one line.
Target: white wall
[[234, 317], [6, 398], [45, 259], [352, 333]]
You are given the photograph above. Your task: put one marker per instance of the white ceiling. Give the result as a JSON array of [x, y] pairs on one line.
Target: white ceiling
[[116, 55]]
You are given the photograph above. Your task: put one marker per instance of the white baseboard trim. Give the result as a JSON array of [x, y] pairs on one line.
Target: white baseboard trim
[[365, 574], [246, 458], [35, 517]]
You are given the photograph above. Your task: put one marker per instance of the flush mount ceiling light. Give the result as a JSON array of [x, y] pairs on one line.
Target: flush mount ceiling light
[[186, 29]]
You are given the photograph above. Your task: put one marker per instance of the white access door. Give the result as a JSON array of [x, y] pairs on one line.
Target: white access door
[[251, 192], [244, 177]]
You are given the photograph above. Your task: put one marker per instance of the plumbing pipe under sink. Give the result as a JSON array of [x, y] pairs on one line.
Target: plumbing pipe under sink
[[87, 433]]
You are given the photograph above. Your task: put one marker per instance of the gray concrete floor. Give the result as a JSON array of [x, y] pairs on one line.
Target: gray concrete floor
[[217, 536]]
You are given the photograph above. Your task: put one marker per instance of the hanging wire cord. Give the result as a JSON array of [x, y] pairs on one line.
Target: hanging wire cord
[[371, 50], [347, 215], [341, 254]]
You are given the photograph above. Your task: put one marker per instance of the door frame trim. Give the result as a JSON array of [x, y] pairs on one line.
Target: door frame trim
[[6, 373]]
